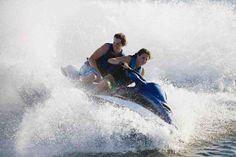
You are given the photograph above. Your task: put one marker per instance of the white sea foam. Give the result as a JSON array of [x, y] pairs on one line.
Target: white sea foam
[[193, 48]]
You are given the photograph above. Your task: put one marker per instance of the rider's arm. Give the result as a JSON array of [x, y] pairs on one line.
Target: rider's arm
[[97, 54], [124, 59]]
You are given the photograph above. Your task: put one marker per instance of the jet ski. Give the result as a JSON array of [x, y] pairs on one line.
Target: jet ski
[[142, 98]]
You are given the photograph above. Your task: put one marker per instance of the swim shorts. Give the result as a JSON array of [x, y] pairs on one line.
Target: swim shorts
[[75, 73]]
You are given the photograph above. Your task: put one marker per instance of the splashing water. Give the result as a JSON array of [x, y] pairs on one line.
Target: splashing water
[[43, 114]]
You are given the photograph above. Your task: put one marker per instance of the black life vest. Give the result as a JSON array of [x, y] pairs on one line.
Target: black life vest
[[104, 66], [121, 75]]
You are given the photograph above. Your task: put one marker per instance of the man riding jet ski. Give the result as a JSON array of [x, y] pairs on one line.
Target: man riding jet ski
[[128, 70], [147, 94]]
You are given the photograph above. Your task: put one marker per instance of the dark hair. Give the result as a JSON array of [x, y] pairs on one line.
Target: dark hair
[[122, 37], [144, 51]]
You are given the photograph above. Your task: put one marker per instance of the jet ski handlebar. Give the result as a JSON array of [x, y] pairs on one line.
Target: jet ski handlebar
[[134, 75]]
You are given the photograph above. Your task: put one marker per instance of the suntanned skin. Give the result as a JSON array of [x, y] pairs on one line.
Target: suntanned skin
[[97, 54], [125, 59], [117, 48], [141, 60]]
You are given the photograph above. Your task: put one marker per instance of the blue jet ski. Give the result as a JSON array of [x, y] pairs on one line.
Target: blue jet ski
[[147, 94], [144, 96]]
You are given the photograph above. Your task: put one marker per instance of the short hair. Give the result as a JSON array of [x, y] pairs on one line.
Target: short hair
[[122, 37], [144, 51]]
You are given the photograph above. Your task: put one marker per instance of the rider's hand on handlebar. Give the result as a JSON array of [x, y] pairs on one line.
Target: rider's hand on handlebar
[[124, 65]]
